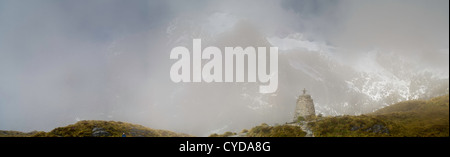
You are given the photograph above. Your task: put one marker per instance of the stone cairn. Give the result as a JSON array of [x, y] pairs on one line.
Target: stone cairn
[[305, 106]]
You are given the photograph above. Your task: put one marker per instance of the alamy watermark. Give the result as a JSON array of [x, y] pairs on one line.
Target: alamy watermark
[[255, 58]]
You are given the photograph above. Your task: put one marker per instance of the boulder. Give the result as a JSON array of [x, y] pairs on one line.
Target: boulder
[[100, 132]]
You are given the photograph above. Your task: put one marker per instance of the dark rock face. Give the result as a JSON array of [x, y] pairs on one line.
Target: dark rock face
[[100, 132]]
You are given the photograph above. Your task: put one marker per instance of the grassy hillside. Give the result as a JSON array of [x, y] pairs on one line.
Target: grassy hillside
[[97, 128], [4, 133], [265, 130], [416, 118]]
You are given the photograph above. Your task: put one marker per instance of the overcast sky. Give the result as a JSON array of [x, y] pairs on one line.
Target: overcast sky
[[65, 60]]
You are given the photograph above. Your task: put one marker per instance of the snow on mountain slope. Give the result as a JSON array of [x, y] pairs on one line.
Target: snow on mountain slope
[[374, 79]]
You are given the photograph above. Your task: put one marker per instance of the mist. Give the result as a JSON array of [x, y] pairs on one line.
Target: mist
[[64, 61]]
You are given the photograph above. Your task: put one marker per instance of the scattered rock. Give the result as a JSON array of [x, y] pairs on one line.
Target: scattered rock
[[377, 128], [99, 132], [354, 128], [137, 132]]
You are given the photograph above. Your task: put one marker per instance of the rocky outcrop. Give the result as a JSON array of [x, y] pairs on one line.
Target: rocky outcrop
[[304, 126], [377, 128], [100, 132]]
